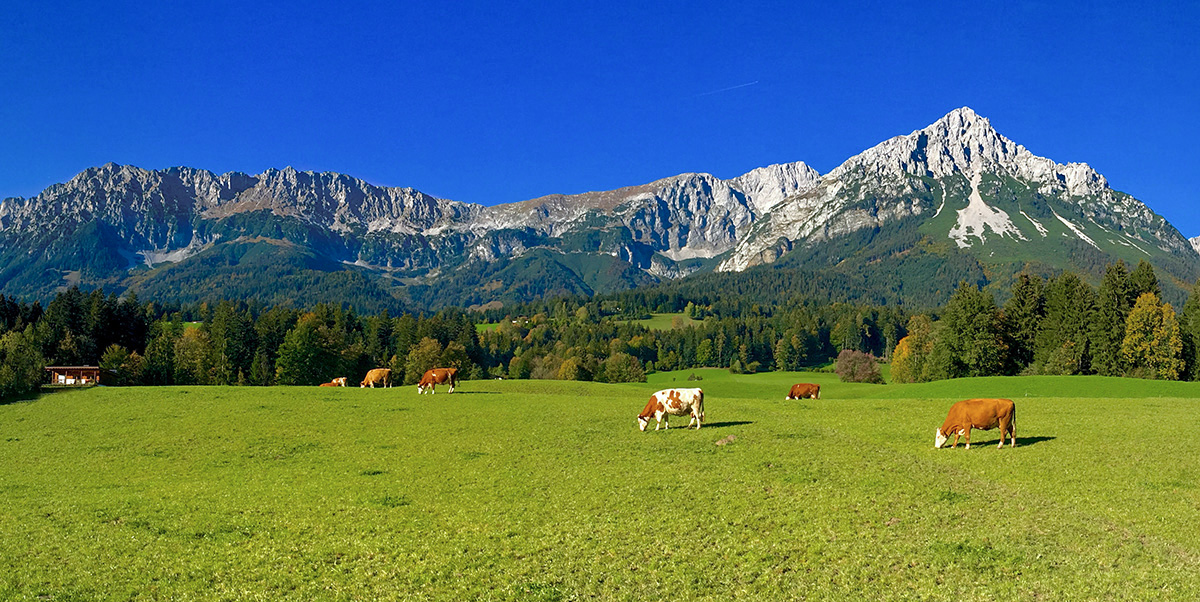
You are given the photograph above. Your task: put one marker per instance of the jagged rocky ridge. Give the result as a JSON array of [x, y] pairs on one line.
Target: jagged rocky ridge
[[959, 177], [941, 170]]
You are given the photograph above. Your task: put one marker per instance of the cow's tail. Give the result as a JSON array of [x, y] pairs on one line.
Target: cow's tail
[[702, 405]]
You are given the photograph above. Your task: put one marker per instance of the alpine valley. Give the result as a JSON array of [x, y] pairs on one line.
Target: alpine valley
[[902, 222]]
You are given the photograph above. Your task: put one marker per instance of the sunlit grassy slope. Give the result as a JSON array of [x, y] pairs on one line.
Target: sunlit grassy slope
[[542, 490]]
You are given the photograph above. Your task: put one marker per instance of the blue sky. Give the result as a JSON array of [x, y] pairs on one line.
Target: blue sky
[[502, 102]]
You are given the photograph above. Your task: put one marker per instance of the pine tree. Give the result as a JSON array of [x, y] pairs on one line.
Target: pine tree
[[783, 354], [1189, 328], [1023, 315], [307, 355], [160, 357], [973, 338], [1108, 328], [1062, 340], [1143, 280], [704, 354]]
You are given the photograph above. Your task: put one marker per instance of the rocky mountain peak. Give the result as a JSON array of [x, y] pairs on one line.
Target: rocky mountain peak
[[960, 142], [768, 186], [965, 143]]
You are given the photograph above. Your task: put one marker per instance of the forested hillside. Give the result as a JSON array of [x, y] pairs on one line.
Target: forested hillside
[[1057, 325]]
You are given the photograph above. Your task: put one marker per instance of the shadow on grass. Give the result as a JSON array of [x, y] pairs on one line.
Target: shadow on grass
[[45, 391], [1026, 441], [1021, 442], [475, 393], [717, 425]]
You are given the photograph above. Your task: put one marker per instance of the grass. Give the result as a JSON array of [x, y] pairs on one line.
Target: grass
[[545, 490], [666, 321]]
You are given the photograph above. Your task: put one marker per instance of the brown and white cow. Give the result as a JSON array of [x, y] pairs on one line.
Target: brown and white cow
[[337, 382], [804, 390], [673, 402], [985, 414], [378, 376], [437, 376]]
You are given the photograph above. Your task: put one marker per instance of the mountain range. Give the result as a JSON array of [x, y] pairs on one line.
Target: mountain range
[[903, 221]]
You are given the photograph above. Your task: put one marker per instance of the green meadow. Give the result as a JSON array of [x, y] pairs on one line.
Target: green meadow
[[665, 321], [546, 490]]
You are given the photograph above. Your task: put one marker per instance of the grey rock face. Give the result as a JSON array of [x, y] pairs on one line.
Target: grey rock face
[[889, 181], [955, 170]]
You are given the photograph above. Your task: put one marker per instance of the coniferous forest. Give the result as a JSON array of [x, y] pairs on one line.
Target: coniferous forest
[[1046, 325]]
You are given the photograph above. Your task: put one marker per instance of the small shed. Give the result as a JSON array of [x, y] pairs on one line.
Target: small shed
[[74, 375]]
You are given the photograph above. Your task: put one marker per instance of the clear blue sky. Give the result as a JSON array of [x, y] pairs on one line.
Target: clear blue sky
[[500, 102]]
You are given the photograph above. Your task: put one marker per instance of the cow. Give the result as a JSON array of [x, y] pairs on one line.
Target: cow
[[804, 390], [437, 376], [380, 376], [673, 402], [327, 385], [985, 414], [337, 382]]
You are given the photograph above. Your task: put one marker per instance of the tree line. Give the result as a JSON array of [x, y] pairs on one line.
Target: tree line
[[1057, 325], [232, 343], [1049, 325]]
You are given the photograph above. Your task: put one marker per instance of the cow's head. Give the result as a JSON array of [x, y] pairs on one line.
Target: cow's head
[[642, 422], [939, 439]]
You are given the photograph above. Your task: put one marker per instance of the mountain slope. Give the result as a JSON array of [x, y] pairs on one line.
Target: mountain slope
[[898, 221]]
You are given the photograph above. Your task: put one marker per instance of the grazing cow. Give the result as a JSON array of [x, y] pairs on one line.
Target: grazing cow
[[804, 390], [985, 414], [380, 376], [673, 402], [437, 376]]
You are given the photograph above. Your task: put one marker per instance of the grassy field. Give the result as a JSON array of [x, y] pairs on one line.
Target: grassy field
[[664, 321], [544, 490]]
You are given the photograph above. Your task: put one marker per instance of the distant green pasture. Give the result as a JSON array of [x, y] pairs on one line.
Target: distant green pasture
[[664, 321], [546, 490]]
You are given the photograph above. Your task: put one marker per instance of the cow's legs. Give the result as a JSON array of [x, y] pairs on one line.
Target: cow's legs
[[968, 437], [1012, 436]]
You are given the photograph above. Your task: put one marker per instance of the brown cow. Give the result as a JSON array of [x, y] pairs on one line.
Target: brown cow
[[337, 382], [437, 376], [804, 390], [985, 414], [327, 385], [380, 376]]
